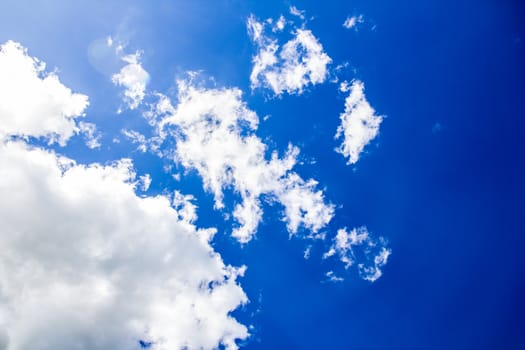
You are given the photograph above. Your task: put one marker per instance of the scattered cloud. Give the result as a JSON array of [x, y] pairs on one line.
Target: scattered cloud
[[307, 252], [133, 78], [373, 272], [359, 124], [27, 91], [358, 246], [91, 136], [136, 138], [279, 24], [296, 12], [290, 67], [214, 134], [352, 22], [332, 277]]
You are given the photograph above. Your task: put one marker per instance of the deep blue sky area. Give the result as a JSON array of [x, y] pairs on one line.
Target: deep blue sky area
[[443, 182]]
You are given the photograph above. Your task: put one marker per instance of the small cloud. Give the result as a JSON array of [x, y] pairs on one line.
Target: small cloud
[[352, 22], [91, 135], [136, 138], [373, 272], [133, 78], [359, 123], [296, 12], [307, 252], [279, 24], [332, 277], [344, 86]]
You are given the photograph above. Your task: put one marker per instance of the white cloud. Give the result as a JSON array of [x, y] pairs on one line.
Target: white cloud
[[332, 277], [307, 252], [214, 134], [358, 245], [144, 182], [373, 272], [91, 136], [296, 12], [133, 78], [279, 25], [186, 210], [136, 138], [288, 68], [359, 124], [351, 22], [87, 264], [33, 102]]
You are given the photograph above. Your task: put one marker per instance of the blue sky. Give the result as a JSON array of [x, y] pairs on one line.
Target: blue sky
[[172, 178]]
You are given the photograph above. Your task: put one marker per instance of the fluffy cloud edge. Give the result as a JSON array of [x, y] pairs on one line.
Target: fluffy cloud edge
[[359, 123], [133, 78], [289, 67], [34, 102], [109, 266]]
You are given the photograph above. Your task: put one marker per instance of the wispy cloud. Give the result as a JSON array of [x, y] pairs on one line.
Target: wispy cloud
[[353, 21], [358, 246], [91, 135], [296, 12]]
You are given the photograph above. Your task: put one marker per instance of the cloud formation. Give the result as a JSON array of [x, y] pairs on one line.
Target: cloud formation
[[85, 262], [214, 134], [98, 267], [359, 123], [289, 67], [359, 246]]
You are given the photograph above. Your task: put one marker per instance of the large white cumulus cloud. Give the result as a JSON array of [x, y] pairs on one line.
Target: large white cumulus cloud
[[86, 264]]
